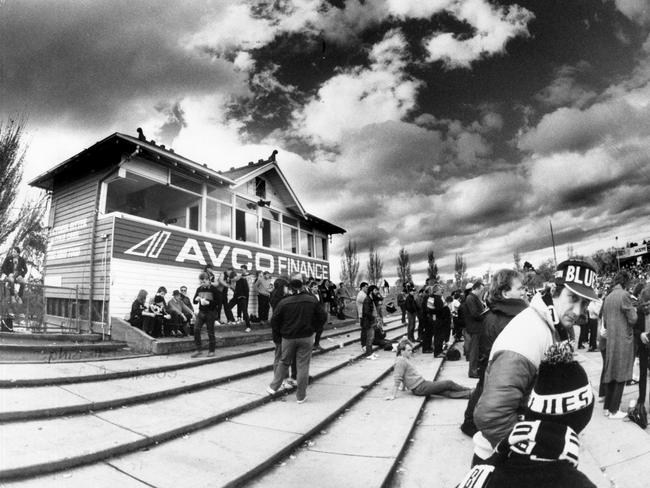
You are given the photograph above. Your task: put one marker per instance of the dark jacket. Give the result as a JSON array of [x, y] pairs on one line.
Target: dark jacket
[[473, 314], [297, 316], [210, 293], [411, 306], [241, 288], [135, 318], [20, 269], [500, 314], [368, 313]]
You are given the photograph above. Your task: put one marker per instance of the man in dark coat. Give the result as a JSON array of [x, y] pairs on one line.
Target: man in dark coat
[[619, 317], [473, 315], [294, 323]]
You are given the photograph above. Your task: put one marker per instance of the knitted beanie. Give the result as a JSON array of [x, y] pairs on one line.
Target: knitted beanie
[[562, 393]]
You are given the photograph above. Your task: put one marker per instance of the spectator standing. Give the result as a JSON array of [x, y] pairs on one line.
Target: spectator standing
[[592, 324], [294, 323], [505, 302], [520, 347], [642, 336], [619, 317], [206, 298], [411, 313], [473, 316], [361, 296], [315, 291], [240, 297], [263, 287], [368, 321]]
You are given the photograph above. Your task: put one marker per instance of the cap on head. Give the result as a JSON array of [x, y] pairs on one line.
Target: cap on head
[[578, 276], [562, 393]]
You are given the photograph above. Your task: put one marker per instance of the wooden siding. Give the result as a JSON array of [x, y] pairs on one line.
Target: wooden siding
[[129, 277], [277, 192]]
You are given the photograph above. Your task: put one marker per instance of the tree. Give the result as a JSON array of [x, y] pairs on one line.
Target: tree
[[31, 235], [12, 153], [517, 259], [404, 266], [605, 260], [350, 264], [459, 267], [432, 268], [375, 267]]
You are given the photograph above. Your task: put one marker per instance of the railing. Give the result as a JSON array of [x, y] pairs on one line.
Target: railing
[[24, 310]]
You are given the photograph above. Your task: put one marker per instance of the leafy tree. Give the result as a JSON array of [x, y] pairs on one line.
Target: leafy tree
[[404, 266], [12, 153], [375, 267], [432, 268], [605, 260], [350, 264], [31, 235], [460, 267]]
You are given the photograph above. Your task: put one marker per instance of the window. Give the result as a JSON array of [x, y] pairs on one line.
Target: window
[[270, 229], [218, 218], [219, 192], [306, 244], [186, 183], [321, 247], [260, 187], [137, 195], [245, 226], [290, 239]]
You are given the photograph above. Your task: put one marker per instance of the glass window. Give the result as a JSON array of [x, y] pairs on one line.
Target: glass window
[[220, 192], [306, 244], [246, 205], [186, 183], [218, 218], [270, 228], [245, 226], [137, 195], [290, 221], [321, 248], [290, 239]]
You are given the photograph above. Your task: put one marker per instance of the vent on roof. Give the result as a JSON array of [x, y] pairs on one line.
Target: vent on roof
[[251, 163], [232, 168]]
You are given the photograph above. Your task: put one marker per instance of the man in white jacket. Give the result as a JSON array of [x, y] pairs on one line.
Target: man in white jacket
[[519, 349]]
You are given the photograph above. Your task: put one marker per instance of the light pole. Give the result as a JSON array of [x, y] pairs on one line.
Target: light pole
[[618, 260]]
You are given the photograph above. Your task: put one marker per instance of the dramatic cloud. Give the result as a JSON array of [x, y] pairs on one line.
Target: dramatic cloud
[[493, 26], [353, 99], [566, 90]]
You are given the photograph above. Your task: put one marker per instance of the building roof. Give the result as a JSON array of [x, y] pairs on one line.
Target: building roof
[[120, 143]]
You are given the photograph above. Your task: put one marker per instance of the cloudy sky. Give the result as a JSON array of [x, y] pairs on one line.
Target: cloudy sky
[[462, 125]]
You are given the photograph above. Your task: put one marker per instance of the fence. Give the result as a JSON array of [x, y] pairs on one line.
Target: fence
[[25, 309]]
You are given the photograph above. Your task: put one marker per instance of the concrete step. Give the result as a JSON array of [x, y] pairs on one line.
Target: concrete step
[[31, 448], [39, 374], [38, 336], [355, 442], [231, 452], [42, 347], [28, 403]]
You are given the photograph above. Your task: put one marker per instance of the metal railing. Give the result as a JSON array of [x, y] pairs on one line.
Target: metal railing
[[25, 310]]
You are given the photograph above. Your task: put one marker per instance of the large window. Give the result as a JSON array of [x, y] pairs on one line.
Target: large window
[[137, 195], [270, 229], [218, 218], [306, 244], [289, 239], [321, 247], [246, 221]]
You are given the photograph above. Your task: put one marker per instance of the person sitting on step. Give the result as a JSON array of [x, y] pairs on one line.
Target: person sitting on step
[[405, 374]]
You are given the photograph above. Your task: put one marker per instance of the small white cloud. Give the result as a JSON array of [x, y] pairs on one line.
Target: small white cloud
[[636, 10]]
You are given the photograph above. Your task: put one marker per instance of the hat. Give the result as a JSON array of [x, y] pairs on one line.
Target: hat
[[469, 286], [578, 276], [562, 393]]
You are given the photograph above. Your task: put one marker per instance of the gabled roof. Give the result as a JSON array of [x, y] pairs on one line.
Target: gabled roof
[[124, 142], [246, 173]]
